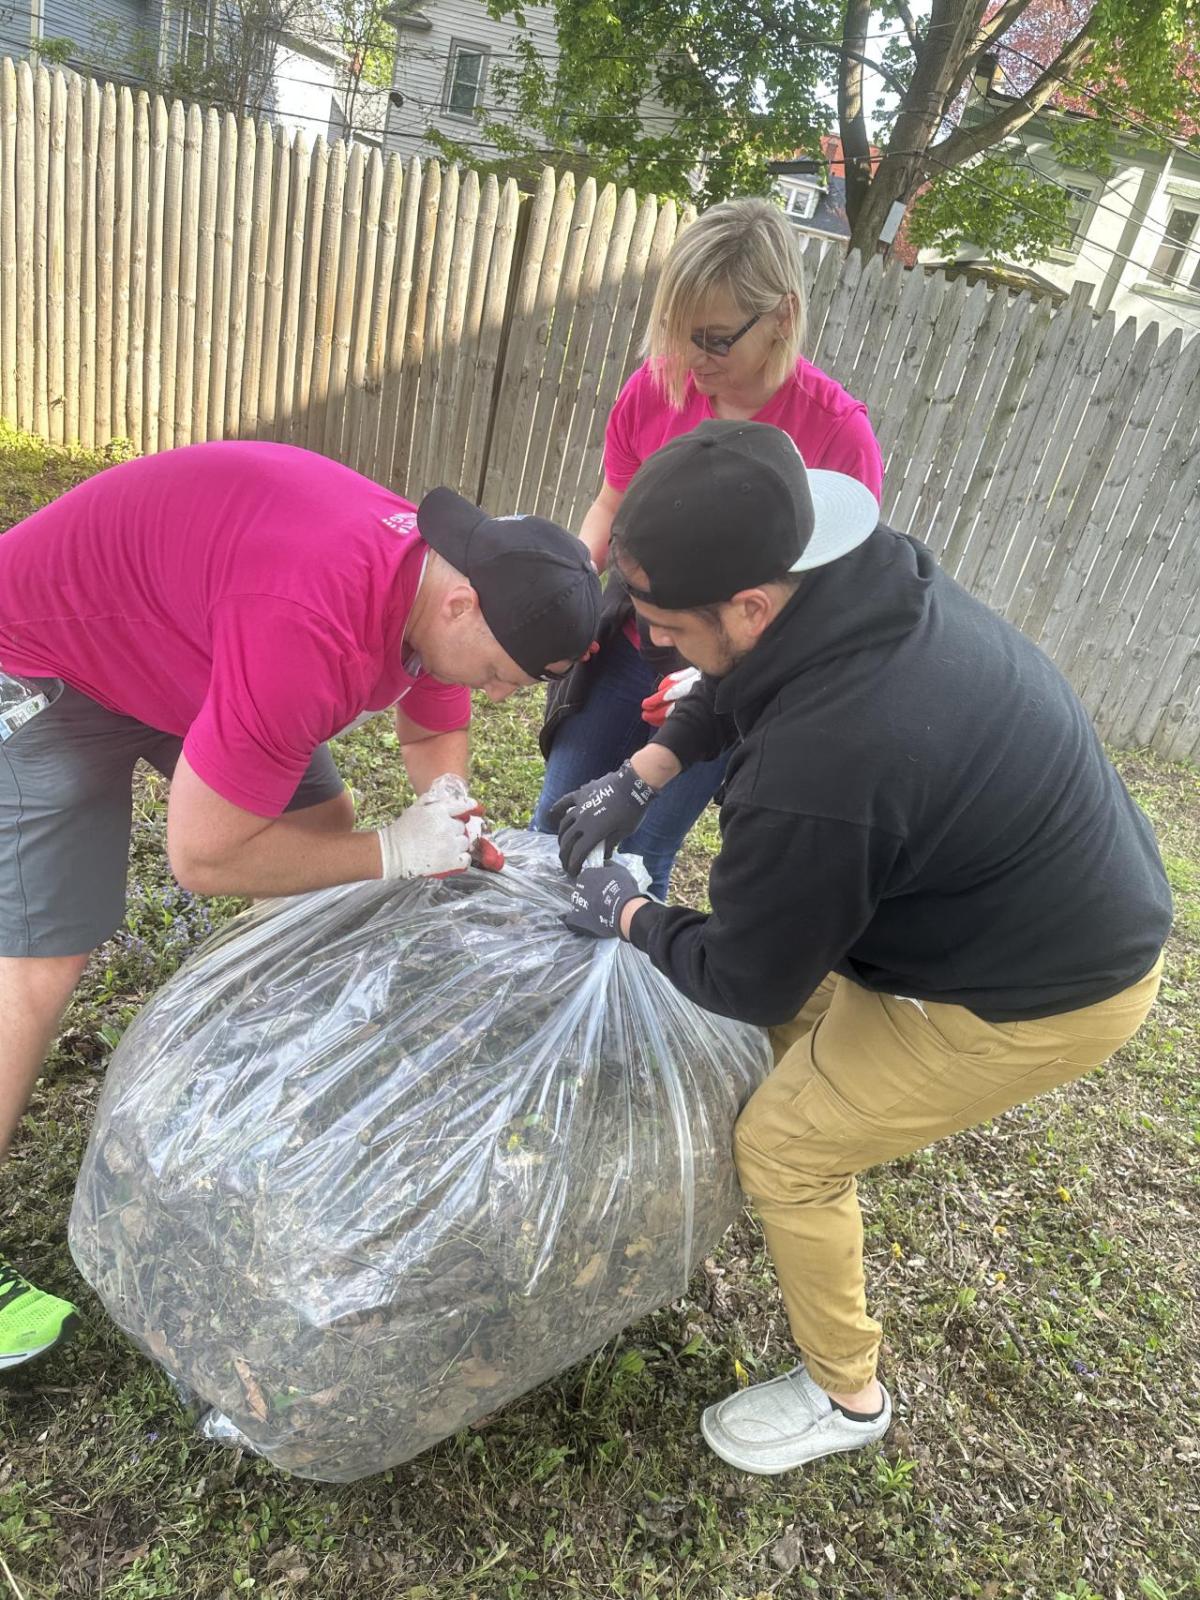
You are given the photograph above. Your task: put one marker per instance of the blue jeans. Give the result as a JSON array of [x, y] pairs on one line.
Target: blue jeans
[[606, 731]]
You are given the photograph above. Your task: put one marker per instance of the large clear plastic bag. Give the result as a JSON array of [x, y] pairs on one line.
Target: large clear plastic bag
[[382, 1158]]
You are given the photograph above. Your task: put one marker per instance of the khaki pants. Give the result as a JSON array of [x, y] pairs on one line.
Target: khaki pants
[[862, 1078]]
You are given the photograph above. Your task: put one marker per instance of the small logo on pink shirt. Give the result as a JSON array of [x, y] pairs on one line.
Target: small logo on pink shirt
[[401, 522]]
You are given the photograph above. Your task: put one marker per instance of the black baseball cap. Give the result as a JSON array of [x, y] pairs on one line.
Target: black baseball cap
[[537, 588], [731, 505]]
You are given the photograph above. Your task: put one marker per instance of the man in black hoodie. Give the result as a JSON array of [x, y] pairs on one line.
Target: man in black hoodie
[[932, 885]]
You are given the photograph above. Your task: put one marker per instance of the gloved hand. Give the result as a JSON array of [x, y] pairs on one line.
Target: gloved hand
[[657, 707], [598, 898], [432, 838], [604, 811]]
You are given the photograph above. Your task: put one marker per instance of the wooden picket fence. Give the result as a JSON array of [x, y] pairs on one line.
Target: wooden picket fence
[[169, 275]]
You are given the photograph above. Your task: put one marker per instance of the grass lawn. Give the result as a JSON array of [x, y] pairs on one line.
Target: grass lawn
[[1037, 1279]]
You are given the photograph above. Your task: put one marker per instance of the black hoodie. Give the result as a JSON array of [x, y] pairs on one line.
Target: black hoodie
[[917, 800]]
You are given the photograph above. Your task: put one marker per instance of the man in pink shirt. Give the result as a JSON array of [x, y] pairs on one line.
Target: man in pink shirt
[[221, 612]]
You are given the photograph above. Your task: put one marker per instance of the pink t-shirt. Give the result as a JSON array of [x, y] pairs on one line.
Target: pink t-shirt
[[831, 428], [249, 597]]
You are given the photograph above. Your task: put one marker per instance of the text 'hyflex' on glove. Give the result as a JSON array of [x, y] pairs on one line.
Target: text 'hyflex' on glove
[[603, 812]]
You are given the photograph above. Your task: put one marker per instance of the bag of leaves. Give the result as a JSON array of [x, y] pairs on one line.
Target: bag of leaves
[[380, 1159]]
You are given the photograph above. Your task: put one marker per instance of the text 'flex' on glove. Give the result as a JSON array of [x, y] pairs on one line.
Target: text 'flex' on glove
[[598, 899]]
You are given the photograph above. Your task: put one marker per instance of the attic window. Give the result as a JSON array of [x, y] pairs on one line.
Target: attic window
[[800, 200]]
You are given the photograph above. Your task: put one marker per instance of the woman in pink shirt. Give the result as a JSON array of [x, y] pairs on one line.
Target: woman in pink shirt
[[724, 340]]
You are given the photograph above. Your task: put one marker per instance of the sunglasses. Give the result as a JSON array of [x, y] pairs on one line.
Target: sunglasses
[[722, 344], [547, 676]]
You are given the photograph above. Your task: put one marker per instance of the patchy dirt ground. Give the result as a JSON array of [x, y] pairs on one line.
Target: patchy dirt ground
[[1037, 1279]]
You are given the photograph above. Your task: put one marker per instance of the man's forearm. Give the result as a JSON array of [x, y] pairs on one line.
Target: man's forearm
[[427, 759], [286, 857], [656, 765]]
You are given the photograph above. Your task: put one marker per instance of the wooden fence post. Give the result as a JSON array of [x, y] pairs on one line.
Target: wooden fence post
[[41, 180], [239, 286], [73, 253], [299, 168], [9, 331], [276, 268], [141, 204], [26, 203], [106, 186], [122, 256], [190, 239], [56, 226], [256, 300], [157, 180], [342, 309]]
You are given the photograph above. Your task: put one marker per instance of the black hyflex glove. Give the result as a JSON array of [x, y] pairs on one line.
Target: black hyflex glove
[[598, 899], [602, 812]]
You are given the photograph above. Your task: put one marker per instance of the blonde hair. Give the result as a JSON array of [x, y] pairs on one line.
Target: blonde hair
[[746, 247]]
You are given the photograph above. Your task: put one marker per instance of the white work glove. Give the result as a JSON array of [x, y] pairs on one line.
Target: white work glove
[[434, 836]]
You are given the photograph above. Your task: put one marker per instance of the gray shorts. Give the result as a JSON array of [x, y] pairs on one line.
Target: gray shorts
[[66, 805]]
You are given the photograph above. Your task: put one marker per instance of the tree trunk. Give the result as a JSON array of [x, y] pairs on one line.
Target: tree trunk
[[893, 180], [856, 144], [951, 31]]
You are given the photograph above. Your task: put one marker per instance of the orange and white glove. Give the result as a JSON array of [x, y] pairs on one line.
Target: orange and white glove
[[657, 707]]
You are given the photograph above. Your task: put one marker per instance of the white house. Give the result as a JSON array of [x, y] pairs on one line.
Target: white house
[[1135, 233], [314, 89]]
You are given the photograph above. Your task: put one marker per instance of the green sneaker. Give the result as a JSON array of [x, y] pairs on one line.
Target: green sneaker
[[30, 1321]]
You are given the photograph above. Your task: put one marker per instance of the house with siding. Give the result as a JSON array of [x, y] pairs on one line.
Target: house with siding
[[309, 83], [1134, 230], [447, 56]]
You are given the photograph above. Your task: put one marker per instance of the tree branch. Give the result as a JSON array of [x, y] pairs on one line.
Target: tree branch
[[998, 24], [987, 34], [910, 24], [964, 143]]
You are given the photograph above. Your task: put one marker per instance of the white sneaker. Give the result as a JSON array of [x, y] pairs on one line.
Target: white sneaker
[[785, 1423]]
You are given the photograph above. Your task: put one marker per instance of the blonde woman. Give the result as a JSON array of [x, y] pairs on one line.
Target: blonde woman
[[724, 340]]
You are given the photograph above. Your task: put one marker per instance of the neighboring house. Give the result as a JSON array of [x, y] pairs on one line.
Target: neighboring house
[[304, 81], [316, 90], [1135, 234], [815, 199], [101, 35], [447, 54]]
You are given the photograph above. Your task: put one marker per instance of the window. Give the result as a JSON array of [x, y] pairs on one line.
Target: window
[[465, 79], [800, 200], [193, 35], [1169, 259], [1079, 209]]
